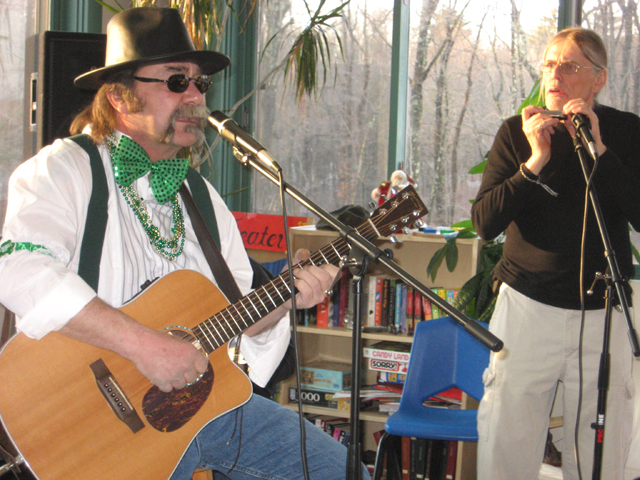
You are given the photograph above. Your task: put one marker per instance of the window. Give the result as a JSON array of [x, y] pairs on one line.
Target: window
[[470, 66], [14, 18]]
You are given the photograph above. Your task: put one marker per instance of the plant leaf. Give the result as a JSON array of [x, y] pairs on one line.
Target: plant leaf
[[479, 168], [451, 254], [435, 262], [463, 224], [467, 292]]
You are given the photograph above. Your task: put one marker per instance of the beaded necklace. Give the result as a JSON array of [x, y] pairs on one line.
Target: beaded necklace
[[170, 248]]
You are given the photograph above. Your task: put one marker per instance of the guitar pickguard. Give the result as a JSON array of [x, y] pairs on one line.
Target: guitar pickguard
[[168, 412]]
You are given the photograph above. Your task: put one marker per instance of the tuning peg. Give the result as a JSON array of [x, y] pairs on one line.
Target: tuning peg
[[394, 239], [418, 224]]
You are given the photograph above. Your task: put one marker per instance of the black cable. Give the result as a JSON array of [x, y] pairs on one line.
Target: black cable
[[576, 442], [294, 333]]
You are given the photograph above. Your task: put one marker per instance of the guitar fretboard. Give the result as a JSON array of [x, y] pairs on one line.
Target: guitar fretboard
[[233, 320]]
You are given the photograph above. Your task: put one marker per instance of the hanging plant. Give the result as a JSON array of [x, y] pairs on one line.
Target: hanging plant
[[310, 52]]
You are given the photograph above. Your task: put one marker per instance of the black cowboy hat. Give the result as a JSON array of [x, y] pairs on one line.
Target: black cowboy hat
[[147, 35]]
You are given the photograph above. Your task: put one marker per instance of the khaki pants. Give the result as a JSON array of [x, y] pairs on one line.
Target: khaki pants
[[541, 348]]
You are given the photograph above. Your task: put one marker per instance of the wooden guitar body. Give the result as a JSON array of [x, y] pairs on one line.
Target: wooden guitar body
[[62, 424]]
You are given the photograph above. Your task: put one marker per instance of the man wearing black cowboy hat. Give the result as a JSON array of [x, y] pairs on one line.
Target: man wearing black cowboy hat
[[147, 116]]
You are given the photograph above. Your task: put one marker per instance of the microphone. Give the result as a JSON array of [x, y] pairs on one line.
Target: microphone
[[239, 138], [583, 126]]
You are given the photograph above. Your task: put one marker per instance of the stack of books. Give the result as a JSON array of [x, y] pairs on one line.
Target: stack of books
[[392, 303], [388, 302], [424, 459], [338, 428]]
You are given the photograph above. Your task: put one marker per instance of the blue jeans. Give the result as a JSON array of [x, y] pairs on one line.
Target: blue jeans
[[269, 444]]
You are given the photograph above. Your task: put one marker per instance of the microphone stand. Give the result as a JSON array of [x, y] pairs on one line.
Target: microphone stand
[[364, 251], [615, 281]]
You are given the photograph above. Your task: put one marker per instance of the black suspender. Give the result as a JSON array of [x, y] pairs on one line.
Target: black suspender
[[96, 224]]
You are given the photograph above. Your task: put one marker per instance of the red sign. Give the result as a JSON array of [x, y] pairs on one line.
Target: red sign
[[264, 232]]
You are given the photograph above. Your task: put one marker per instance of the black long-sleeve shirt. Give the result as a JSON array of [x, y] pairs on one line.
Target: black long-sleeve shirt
[[541, 256]]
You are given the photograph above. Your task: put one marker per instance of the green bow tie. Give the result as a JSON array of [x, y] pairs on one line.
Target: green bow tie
[[131, 162]]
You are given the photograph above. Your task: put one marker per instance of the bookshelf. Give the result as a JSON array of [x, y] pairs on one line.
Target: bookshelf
[[412, 253]]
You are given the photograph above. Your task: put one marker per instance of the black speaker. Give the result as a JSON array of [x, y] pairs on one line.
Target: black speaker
[[54, 60]]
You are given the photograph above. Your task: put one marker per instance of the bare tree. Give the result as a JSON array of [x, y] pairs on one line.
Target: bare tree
[[422, 67], [460, 121], [452, 24]]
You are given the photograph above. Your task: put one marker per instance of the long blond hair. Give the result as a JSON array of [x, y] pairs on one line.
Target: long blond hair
[[100, 114]]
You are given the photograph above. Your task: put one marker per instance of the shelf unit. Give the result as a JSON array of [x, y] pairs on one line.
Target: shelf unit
[[412, 253]]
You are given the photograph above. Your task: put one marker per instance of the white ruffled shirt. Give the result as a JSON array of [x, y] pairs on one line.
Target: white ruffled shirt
[[47, 206]]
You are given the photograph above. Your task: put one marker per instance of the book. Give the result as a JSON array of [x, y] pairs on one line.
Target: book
[[388, 350], [384, 304], [438, 460], [413, 458], [422, 444], [377, 314], [409, 310], [417, 310], [428, 460], [388, 407], [321, 421], [452, 457], [334, 306], [322, 313], [398, 307], [451, 296], [343, 297], [426, 309], [389, 377], [389, 387], [391, 312], [371, 300], [405, 457], [435, 309], [330, 425]]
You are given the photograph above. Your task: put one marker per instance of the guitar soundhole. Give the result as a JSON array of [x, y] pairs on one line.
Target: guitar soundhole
[[168, 412]]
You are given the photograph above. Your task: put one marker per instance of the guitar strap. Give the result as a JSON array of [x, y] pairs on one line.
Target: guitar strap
[[218, 266], [199, 207]]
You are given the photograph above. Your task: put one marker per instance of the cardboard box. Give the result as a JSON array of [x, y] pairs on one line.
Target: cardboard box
[[327, 376], [317, 398]]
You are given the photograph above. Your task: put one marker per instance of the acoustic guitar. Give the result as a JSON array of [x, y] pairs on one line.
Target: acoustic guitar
[[74, 411]]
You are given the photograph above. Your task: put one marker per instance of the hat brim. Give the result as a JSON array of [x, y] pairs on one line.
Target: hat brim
[[210, 62]]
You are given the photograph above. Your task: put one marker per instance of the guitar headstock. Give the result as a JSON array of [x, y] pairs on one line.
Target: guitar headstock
[[401, 211]]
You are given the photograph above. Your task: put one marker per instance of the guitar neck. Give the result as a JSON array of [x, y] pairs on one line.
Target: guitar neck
[[233, 320], [399, 212]]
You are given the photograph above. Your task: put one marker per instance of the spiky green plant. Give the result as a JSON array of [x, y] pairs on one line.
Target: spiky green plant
[[206, 20], [310, 49]]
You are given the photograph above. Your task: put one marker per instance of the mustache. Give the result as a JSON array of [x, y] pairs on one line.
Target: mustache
[[198, 112]]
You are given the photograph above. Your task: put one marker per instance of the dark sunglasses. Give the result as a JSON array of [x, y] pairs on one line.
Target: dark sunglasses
[[179, 82]]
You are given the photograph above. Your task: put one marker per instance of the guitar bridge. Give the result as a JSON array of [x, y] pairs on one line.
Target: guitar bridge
[[115, 397]]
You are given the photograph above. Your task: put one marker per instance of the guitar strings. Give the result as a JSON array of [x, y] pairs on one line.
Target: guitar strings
[[231, 321]]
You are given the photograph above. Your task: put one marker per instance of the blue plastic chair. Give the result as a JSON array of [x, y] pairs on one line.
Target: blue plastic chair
[[443, 356]]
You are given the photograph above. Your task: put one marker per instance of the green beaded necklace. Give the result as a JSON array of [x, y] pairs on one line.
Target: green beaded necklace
[[168, 248]]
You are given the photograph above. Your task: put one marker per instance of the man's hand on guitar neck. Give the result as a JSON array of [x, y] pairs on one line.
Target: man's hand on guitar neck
[[165, 361], [312, 284]]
